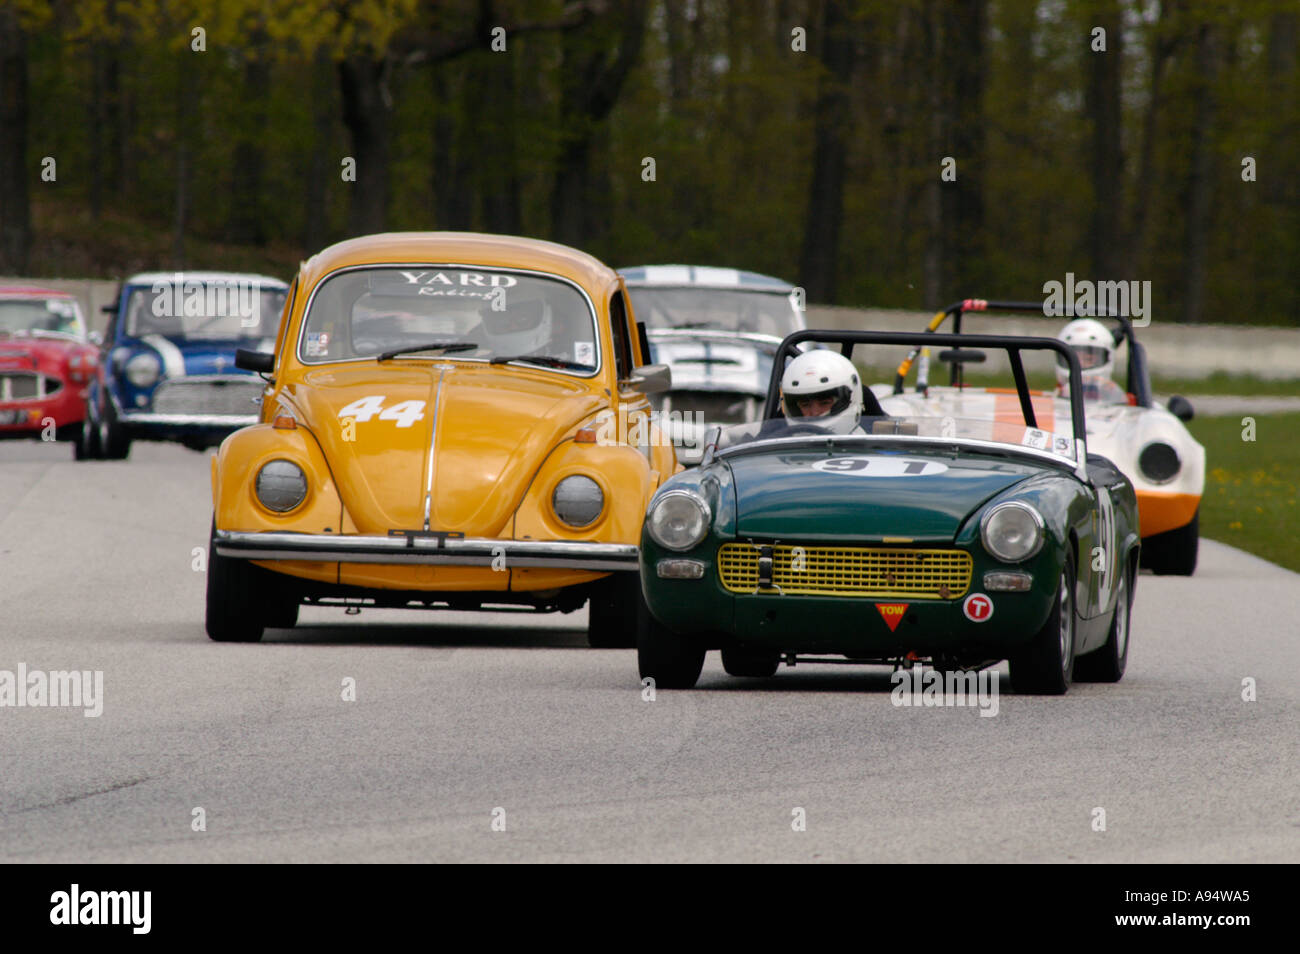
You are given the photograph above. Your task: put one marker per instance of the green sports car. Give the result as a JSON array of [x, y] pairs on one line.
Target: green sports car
[[950, 541]]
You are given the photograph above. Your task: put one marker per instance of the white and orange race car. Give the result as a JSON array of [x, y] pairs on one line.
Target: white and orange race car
[[1146, 439]]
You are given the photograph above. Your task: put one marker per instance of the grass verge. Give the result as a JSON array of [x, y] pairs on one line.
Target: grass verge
[[1251, 485]]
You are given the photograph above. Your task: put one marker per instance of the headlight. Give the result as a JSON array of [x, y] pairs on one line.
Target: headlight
[[578, 500], [1012, 531], [143, 369], [678, 519], [281, 485], [1159, 462]]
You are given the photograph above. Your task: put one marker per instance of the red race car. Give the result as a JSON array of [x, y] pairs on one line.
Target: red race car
[[46, 359]]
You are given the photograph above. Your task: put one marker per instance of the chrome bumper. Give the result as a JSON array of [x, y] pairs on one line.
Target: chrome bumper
[[192, 420], [443, 549]]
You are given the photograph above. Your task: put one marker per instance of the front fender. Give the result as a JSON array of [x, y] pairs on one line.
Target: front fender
[[234, 470]]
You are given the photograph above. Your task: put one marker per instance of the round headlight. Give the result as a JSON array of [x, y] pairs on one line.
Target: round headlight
[[678, 519], [578, 500], [1012, 531], [1159, 462], [281, 485], [143, 369]]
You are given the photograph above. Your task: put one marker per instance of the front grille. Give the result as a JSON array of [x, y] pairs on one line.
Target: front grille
[[26, 385], [878, 572], [229, 396]]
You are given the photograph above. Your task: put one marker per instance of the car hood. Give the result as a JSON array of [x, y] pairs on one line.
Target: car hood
[[29, 353], [494, 427], [815, 495], [192, 356]]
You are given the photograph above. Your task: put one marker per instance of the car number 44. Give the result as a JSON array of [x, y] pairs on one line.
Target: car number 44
[[405, 413]]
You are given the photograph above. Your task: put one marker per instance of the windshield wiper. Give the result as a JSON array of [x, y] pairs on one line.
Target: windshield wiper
[[538, 359], [430, 346]]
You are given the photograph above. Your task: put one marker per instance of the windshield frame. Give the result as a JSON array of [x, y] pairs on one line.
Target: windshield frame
[[592, 311]]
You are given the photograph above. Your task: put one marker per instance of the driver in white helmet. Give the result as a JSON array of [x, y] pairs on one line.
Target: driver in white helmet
[[1095, 346], [823, 388]]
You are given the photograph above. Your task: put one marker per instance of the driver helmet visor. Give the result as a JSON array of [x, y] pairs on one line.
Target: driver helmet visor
[[1090, 356], [814, 405]]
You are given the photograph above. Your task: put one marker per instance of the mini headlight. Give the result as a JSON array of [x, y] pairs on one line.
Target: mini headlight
[[578, 500], [1012, 531], [678, 519], [281, 485], [143, 369], [1159, 462]]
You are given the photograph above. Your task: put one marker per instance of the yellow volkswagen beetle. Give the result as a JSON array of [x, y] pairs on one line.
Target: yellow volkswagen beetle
[[450, 420]]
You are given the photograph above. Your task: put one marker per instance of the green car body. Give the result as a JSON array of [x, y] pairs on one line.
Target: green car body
[[870, 538]]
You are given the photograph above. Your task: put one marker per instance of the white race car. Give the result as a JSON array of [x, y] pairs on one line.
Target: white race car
[[718, 330], [1147, 440]]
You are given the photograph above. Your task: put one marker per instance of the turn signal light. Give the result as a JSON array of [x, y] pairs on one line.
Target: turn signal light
[[283, 422]]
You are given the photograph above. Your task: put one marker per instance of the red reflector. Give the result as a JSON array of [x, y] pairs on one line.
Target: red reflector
[[284, 422]]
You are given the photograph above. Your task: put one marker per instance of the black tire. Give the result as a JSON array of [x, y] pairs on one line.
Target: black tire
[[671, 660], [283, 614], [236, 594], [752, 663], [85, 446], [612, 611], [113, 441], [1107, 664], [1173, 553], [1046, 665]]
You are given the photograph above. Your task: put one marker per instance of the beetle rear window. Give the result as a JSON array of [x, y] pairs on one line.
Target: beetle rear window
[[476, 314]]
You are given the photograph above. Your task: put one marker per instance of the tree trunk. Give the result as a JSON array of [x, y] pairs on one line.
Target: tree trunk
[[597, 59], [453, 197], [367, 114], [1200, 191], [825, 212], [1161, 48], [247, 220], [1102, 105], [934, 259], [315, 223], [966, 63], [15, 207]]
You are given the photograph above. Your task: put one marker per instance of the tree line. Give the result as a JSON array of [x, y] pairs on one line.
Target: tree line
[[894, 154]]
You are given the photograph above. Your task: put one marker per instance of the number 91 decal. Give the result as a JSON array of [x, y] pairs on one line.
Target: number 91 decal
[[880, 467], [405, 413]]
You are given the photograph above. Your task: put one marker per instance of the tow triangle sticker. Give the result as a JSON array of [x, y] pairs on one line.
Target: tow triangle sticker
[[892, 613]]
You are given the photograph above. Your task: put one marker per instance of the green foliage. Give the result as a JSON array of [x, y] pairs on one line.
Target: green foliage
[[148, 129], [1251, 486]]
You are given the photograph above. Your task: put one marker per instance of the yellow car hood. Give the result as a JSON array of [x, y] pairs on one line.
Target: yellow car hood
[[495, 426]]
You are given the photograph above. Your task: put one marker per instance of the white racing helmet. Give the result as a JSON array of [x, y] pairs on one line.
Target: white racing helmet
[[522, 327], [823, 376], [1094, 345]]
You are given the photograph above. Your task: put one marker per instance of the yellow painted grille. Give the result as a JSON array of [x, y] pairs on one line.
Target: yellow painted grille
[[878, 572]]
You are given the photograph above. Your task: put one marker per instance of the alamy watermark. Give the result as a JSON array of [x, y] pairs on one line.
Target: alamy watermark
[[1088, 299], [36, 688], [209, 298], [918, 686]]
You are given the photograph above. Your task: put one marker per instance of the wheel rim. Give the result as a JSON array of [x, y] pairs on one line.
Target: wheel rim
[[1121, 620], [1067, 624]]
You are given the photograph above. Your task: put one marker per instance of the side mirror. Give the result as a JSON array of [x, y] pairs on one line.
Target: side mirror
[[652, 379], [258, 361], [1180, 408]]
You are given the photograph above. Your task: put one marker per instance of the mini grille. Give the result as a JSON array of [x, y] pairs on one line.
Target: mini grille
[[848, 571], [236, 396]]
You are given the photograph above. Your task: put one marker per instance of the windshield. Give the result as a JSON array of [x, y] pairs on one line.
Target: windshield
[[1017, 435], [485, 314], [764, 313], [37, 315], [211, 309]]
